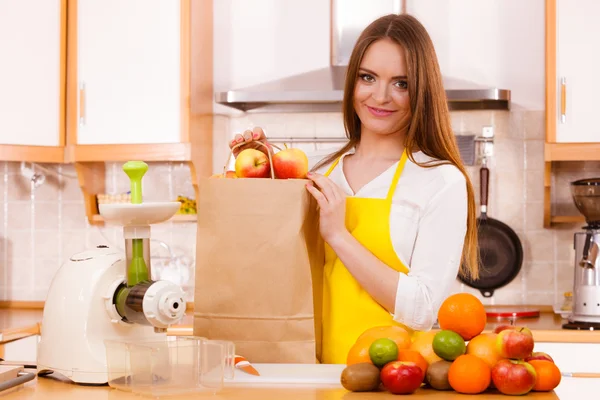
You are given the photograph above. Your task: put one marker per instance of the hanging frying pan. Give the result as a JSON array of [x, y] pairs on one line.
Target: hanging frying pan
[[500, 249]]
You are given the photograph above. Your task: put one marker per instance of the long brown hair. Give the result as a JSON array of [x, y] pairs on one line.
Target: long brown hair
[[430, 128]]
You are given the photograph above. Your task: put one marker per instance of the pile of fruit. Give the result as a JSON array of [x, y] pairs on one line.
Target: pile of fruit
[[458, 357], [188, 205], [288, 163]]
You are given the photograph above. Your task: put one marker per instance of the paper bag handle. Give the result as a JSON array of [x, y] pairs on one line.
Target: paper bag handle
[[260, 143]]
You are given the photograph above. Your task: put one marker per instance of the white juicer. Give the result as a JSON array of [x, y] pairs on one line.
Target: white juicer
[[102, 294]]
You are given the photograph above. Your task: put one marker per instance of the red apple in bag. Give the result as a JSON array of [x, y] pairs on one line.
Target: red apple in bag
[[290, 163], [251, 163]]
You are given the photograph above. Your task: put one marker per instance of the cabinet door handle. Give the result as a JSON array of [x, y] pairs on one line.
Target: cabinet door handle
[[563, 100], [82, 103]]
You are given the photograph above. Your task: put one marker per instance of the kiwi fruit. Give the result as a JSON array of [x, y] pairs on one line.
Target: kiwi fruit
[[361, 377], [437, 375]]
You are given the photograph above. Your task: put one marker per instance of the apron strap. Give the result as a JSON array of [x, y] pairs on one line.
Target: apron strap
[[335, 163], [397, 174]]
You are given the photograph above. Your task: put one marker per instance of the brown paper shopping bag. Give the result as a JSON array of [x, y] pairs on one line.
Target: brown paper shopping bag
[[259, 261]]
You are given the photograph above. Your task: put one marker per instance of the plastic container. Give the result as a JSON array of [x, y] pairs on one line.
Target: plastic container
[[169, 366]]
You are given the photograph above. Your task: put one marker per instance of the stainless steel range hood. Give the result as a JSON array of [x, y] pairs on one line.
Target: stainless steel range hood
[[322, 90]]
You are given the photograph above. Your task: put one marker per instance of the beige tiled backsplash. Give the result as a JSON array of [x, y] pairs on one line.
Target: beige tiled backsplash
[[42, 226]]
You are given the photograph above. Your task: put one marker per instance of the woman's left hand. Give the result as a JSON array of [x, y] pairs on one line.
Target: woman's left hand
[[332, 205]]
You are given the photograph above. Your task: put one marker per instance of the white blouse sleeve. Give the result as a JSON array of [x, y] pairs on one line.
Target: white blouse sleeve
[[436, 257]]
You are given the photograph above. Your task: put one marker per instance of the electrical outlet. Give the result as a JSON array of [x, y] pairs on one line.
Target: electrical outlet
[[488, 132]]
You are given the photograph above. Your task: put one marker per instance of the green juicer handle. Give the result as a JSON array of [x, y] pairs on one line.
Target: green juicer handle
[[135, 170], [137, 271]]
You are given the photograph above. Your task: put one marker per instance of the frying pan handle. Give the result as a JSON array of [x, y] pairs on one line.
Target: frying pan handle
[[484, 178]]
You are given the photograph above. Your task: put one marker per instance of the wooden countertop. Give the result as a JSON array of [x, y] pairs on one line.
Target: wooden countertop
[[19, 323], [545, 328], [49, 388]]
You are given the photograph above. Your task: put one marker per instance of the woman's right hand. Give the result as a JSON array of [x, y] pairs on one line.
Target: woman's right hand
[[250, 139]]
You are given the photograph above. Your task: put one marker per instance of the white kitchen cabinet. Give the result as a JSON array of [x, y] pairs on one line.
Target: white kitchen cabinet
[[572, 357], [129, 75], [31, 72], [22, 350], [577, 61]]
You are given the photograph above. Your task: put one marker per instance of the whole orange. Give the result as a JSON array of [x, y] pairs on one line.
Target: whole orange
[[393, 332], [414, 356], [548, 375], [359, 352], [484, 347], [423, 343], [469, 374], [464, 314]]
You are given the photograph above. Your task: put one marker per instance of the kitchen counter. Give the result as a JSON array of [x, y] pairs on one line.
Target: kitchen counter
[[49, 388], [545, 328], [19, 323]]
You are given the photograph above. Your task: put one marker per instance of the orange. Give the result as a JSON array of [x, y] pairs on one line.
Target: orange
[[359, 352], [469, 374], [548, 375], [393, 332], [423, 343], [484, 347], [414, 356], [464, 314]]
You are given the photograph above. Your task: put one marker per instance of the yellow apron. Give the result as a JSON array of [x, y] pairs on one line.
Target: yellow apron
[[348, 310]]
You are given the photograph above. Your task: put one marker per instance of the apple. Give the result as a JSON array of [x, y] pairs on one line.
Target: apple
[[290, 163], [228, 174], [401, 377], [500, 328], [513, 377], [515, 343], [539, 355], [251, 163]]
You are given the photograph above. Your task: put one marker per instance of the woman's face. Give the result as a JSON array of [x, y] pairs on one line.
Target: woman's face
[[381, 92]]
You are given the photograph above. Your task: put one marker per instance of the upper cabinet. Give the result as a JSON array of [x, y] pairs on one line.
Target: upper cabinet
[[130, 84], [572, 83], [32, 77], [576, 78], [129, 79], [110, 80]]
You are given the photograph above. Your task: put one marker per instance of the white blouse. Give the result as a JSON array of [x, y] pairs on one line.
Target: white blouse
[[428, 223]]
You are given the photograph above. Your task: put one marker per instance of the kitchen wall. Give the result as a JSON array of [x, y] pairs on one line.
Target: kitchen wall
[[40, 227]]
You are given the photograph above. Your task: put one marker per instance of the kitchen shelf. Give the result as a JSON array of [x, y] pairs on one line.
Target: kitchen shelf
[[126, 152], [98, 219], [572, 151], [41, 154], [92, 177], [567, 219]]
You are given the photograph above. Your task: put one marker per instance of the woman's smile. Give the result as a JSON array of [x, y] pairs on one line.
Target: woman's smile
[[380, 112]]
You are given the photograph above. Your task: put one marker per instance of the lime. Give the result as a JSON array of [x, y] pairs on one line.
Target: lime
[[448, 345], [383, 351]]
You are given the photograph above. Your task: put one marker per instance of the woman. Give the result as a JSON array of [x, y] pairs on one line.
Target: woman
[[397, 209]]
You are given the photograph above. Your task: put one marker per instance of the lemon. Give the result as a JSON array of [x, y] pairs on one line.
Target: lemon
[[383, 351], [448, 345]]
